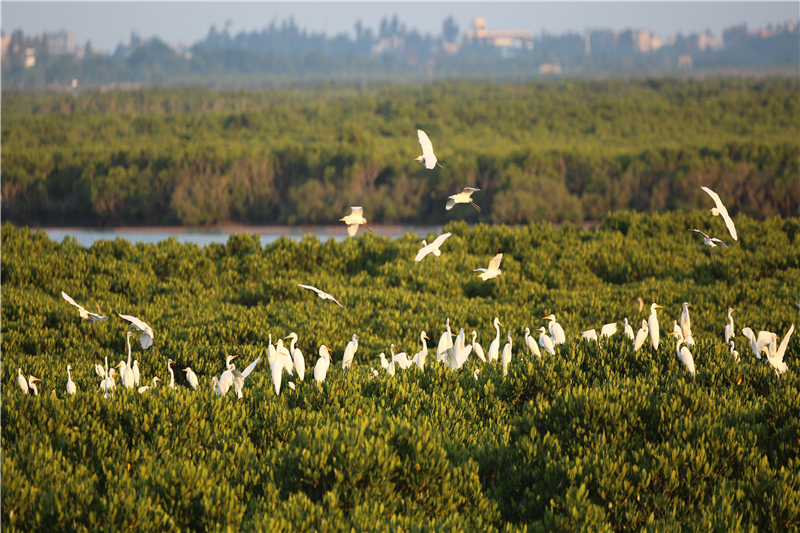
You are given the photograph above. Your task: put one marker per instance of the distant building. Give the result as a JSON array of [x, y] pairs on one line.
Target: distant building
[[550, 68], [30, 57], [500, 38], [706, 40], [4, 42], [685, 62], [61, 43]]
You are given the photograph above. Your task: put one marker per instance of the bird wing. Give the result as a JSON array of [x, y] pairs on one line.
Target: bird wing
[[277, 370], [784, 343], [440, 240], [700, 232], [450, 204], [309, 287], [714, 196], [425, 250], [352, 229], [425, 142], [251, 367], [764, 338], [494, 264], [335, 300], [608, 330], [135, 322], [70, 300], [357, 211], [146, 341], [748, 333], [714, 239], [729, 223], [590, 335], [469, 190], [479, 270], [462, 355]]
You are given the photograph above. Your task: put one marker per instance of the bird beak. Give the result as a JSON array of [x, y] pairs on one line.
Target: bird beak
[[185, 369], [453, 335], [427, 337], [659, 307], [689, 305], [35, 379], [501, 324], [234, 357], [286, 337], [733, 311], [357, 337]]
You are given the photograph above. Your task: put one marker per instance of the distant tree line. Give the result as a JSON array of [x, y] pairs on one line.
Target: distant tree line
[[569, 151]]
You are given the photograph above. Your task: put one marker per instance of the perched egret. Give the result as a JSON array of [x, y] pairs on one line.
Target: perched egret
[[238, 377], [677, 328], [100, 371], [321, 294], [350, 352], [108, 383], [730, 333], [475, 374], [628, 330], [493, 271], [432, 248], [400, 358], [546, 342], [445, 342], [464, 197], [711, 242], [384, 361], [507, 354], [748, 334], [297, 356], [427, 151], [127, 375], [136, 372], [422, 355], [146, 340], [719, 210], [391, 368], [215, 386], [734, 353], [556, 331], [156, 379], [23, 383], [87, 315], [608, 329], [458, 345], [271, 352], [355, 219], [323, 363], [641, 336], [191, 377], [285, 357], [226, 379], [684, 354], [494, 347], [775, 357], [71, 388], [652, 323], [590, 335], [477, 347], [686, 322], [531, 344], [277, 374]]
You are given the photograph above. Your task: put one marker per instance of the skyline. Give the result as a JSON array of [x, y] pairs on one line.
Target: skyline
[[107, 24]]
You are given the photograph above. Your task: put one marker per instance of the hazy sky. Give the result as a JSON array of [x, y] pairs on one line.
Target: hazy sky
[[109, 23]]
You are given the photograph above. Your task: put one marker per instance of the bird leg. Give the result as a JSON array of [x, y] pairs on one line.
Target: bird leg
[[99, 311], [712, 256], [440, 165], [435, 268], [475, 206], [504, 283], [368, 228]]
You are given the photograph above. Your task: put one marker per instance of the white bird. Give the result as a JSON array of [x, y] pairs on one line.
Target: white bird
[[556, 331], [608, 330], [226, 379], [464, 197], [191, 377], [628, 330], [458, 345], [445, 342], [775, 357], [355, 219], [100, 371], [22, 382], [764, 339], [71, 388], [507, 354], [297, 356], [493, 271], [730, 333], [171, 374], [323, 363], [421, 356], [155, 380], [652, 323], [321, 294], [432, 248], [475, 374], [720, 210], [684, 354], [292, 385], [126, 373], [590, 335], [711, 242], [477, 347], [391, 368], [677, 328], [271, 352], [108, 383], [400, 358], [238, 377], [87, 315], [750, 336], [350, 352], [136, 372], [146, 340], [686, 322], [277, 374], [546, 342], [494, 347], [215, 386], [427, 151], [734, 353], [531, 343], [284, 357], [384, 362], [641, 336]]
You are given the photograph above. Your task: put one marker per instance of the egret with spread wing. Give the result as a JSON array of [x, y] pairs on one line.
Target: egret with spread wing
[[238, 377], [720, 210], [711, 242], [355, 219], [493, 271], [432, 248], [427, 151], [322, 295], [464, 197], [87, 315], [146, 340]]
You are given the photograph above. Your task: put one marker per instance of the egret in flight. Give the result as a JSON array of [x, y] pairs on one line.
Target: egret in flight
[[427, 151], [87, 315], [477, 348], [531, 343], [355, 219], [323, 363], [191, 377], [71, 388], [730, 333], [146, 340], [494, 347], [652, 323], [321, 294], [711, 242], [683, 353], [493, 271], [432, 248], [349, 352], [556, 331], [720, 210], [464, 197], [775, 357]]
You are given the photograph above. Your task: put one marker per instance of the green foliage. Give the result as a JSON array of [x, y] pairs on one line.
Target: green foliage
[[589, 439]]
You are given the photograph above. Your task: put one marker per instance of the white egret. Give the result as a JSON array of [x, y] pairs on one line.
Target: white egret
[[277, 374], [494, 347], [427, 151], [226, 379], [126, 374], [507, 354], [355, 219], [323, 363], [493, 271], [384, 362], [711, 242], [628, 330], [71, 388], [730, 333], [477, 347], [136, 372], [445, 342], [191, 377], [475, 374], [531, 343], [284, 357], [215, 386], [432, 248], [775, 357], [641, 336], [171, 374], [608, 329], [22, 382], [422, 355], [750, 336], [87, 315], [764, 339], [546, 342], [686, 322], [297, 356], [464, 197], [156, 379], [677, 328], [400, 358], [684, 354], [590, 335], [734, 353], [350, 352], [458, 345], [146, 340], [238, 377], [652, 323], [462, 356], [108, 383], [720, 210], [391, 368], [271, 352], [100, 371], [556, 331], [321, 294]]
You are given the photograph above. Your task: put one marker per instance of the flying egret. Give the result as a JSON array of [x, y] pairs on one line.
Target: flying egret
[[238, 377], [531, 343], [556, 331], [323, 363], [734, 353], [136, 372], [684, 354], [477, 347], [445, 342], [748, 334], [127, 374], [711, 242], [297, 356], [775, 357], [401, 358], [355, 219], [146, 340], [493, 271], [641, 336], [652, 323], [730, 333], [720, 210], [507, 354], [628, 330], [87, 315], [321, 294], [686, 322], [422, 355], [156, 379], [226, 379], [494, 347], [464, 197], [191, 377], [350, 352], [590, 335], [427, 151], [432, 248], [71, 388], [546, 342]]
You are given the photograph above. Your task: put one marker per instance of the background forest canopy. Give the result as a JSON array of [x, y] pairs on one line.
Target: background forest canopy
[[554, 151]]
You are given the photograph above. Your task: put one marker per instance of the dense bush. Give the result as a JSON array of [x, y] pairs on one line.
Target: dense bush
[[592, 438]]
